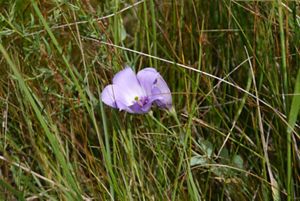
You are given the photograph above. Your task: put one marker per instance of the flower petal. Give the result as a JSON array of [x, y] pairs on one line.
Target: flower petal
[[147, 77], [162, 92], [129, 86], [162, 98], [122, 106], [108, 97], [113, 96], [124, 95], [136, 108], [155, 87]]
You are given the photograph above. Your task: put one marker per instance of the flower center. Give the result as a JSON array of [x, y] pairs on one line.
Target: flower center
[[141, 101]]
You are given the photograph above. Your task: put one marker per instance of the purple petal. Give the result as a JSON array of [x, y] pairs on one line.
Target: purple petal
[[147, 77], [127, 80], [156, 87], [139, 109], [127, 88], [122, 106], [115, 96], [108, 97], [162, 92], [112, 95]]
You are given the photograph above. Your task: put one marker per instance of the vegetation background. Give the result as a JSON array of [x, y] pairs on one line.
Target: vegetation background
[[232, 67]]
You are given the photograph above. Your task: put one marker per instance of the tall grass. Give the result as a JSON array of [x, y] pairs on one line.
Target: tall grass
[[232, 67]]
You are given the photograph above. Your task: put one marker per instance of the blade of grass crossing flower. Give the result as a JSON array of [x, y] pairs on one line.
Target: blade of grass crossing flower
[[57, 149], [114, 187], [107, 145]]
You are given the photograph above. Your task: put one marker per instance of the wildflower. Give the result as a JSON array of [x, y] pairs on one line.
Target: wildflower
[[136, 93]]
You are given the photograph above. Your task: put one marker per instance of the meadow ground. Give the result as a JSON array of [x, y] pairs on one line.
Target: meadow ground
[[232, 67]]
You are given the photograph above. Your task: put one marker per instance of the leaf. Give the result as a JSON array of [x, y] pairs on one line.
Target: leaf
[[207, 147], [238, 161], [224, 155], [123, 33], [198, 160]]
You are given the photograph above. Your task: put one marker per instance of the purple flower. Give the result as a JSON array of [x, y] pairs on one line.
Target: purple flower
[[136, 93]]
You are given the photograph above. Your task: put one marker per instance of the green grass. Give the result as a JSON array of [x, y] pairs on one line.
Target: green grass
[[234, 71]]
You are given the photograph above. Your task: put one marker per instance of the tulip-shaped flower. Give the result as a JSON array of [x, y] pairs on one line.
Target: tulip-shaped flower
[[136, 93]]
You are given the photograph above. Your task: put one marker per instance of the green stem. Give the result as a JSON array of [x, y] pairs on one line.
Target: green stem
[[285, 91]]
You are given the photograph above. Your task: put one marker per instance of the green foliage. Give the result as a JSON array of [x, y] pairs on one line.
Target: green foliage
[[229, 137]]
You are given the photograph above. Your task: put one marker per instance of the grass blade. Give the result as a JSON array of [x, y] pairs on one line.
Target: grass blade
[[70, 181]]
